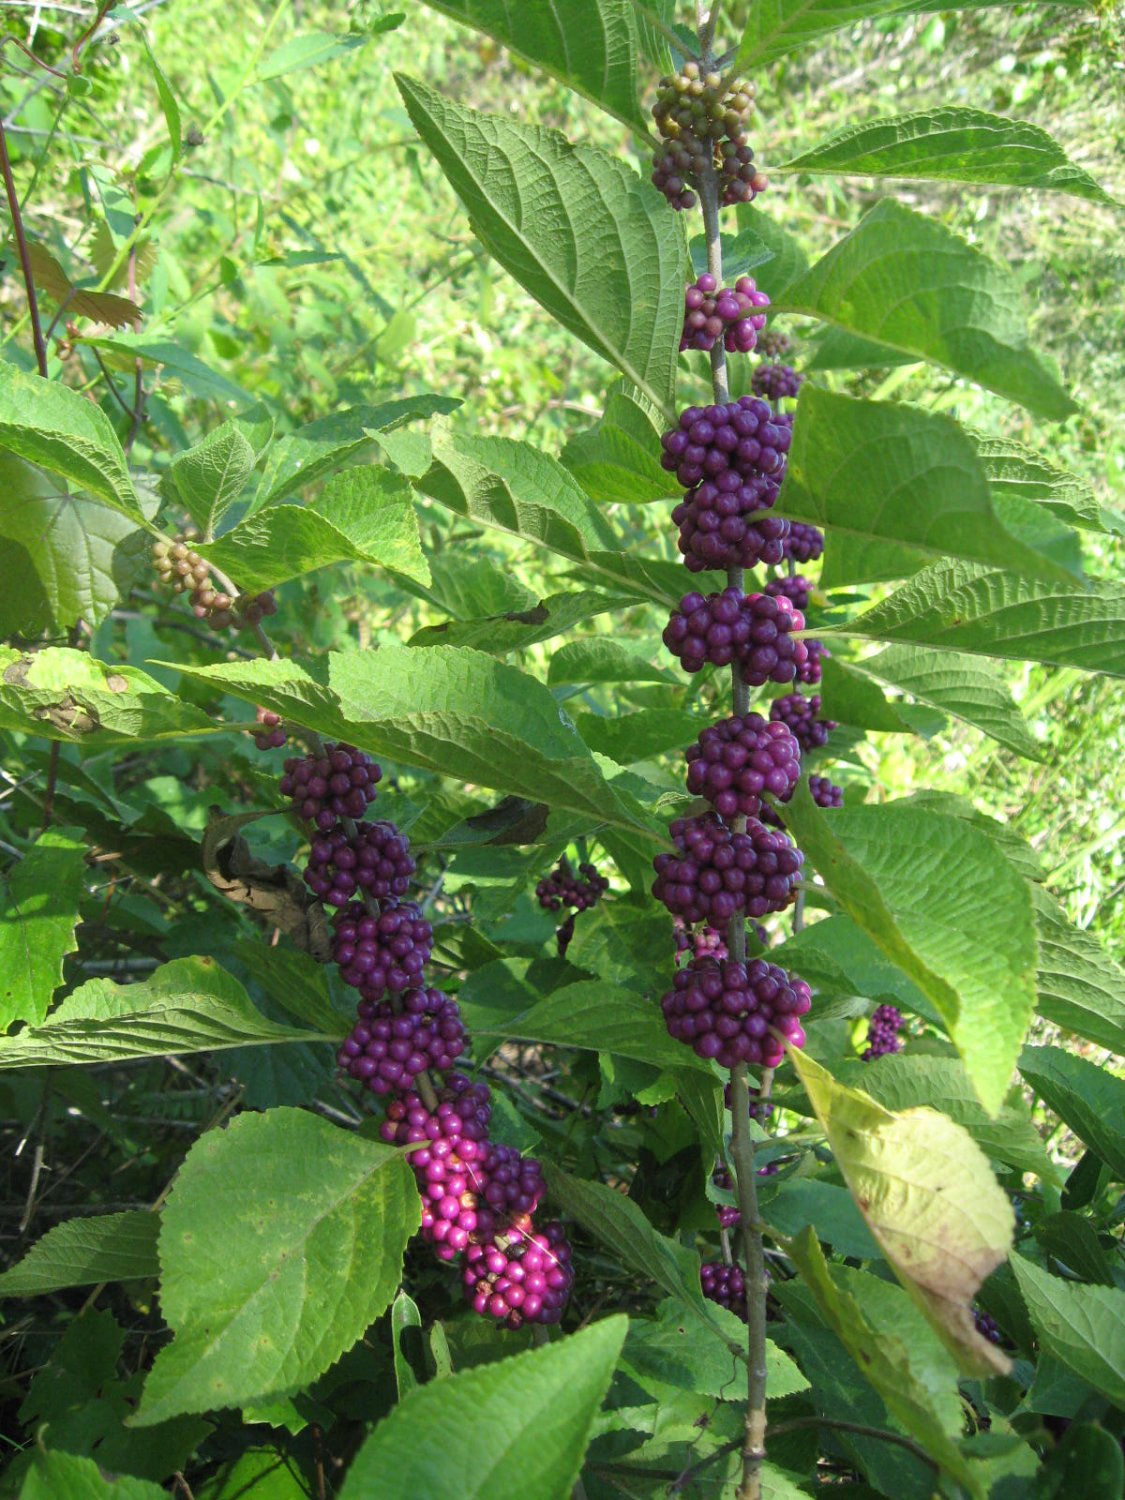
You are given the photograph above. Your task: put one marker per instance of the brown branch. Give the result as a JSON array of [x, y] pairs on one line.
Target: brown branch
[[25, 258]]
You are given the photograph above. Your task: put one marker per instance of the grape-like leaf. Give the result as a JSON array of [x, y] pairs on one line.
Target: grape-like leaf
[[281, 1242], [575, 226], [952, 143], [210, 476], [1083, 1326], [905, 280], [589, 44], [1080, 986], [1090, 1099]]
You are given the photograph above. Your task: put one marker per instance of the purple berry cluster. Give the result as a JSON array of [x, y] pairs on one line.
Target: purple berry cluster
[[719, 872], [803, 543], [735, 761], [809, 672], [724, 1284], [380, 952], [702, 121], [987, 1326], [325, 788], [371, 857], [883, 1032], [824, 794], [389, 1045], [562, 887], [734, 314], [271, 734], [797, 589], [754, 630], [737, 1013], [699, 942], [775, 382], [745, 436], [800, 715], [520, 1278]]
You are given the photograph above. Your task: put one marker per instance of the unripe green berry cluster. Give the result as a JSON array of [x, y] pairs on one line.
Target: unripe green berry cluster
[[702, 118], [180, 566]]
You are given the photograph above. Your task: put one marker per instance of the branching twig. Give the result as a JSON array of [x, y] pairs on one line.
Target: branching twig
[[25, 258]]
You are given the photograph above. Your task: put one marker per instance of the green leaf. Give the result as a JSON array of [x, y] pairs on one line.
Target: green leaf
[[1073, 1242], [599, 1017], [591, 242], [82, 1252], [307, 51], [189, 1005], [929, 1198], [591, 45], [787, 260], [1017, 472], [674, 1349], [65, 1476], [455, 711], [53, 426], [64, 694], [886, 1360], [952, 144], [906, 1082], [281, 1242], [1086, 1460], [406, 1341], [363, 515], [1083, 1326], [849, 696], [312, 451], [972, 954], [210, 477], [1090, 1099], [615, 461], [601, 659], [839, 959], [620, 1224], [529, 1415], [640, 736], [778, 28], [37, 923], [178, 363], [517, 629], [906, 281], [888, 472], [985, 612], [1080, 986], [790, 1205], [168, 104], [973, 691]]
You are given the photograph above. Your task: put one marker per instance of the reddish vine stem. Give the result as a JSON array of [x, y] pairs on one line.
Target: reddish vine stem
[[742, 1145], [24, 255]]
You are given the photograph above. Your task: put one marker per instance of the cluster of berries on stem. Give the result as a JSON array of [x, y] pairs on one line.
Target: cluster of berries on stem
[[734, 314], [702, 120], [179, 565], [883, 1032]]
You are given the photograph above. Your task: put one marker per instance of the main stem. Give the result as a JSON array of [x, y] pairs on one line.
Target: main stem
[[742, 1145]]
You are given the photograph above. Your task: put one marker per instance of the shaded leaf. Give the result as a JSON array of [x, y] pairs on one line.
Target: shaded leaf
[[1017, 472], [38, 917], [66, 1476], [102, 307], [615, 461], [1083, 1326], [82, 1252], [307, 51], [1080, 986], [1090, 1099], [179, 363], [602, 659]]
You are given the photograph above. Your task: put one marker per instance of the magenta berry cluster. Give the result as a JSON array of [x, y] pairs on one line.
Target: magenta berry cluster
[[734, 314], [824, 794], [389, 1045], [565, 888], [987, 1326], [745, 436], [521, 1277], [776, 382], [724, 1284], [754, 630], [801, 715], [698, 942], [338, 783], [735, 761], [810, 670], [736, 1013], [803, 543], [718, 873], [796, 588], [883, 1032]]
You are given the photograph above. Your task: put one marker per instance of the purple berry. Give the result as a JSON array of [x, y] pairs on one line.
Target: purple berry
[[729, 1011], [701, 942], [986, 1326], [375, 858], [883, 1032], [771, 653], [562, 887], [272, 735], [734, 314], [809, 671], [775, 382], [804, 543], [725, 1285], [520, 1277], [389, 1046], [796, 589], [388, 951], [800, 714], [735, 761], [718, 873], [326, 788], [728, 1217]]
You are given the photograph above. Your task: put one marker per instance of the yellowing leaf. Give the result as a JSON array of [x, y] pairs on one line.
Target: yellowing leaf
[[929, 1198]]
